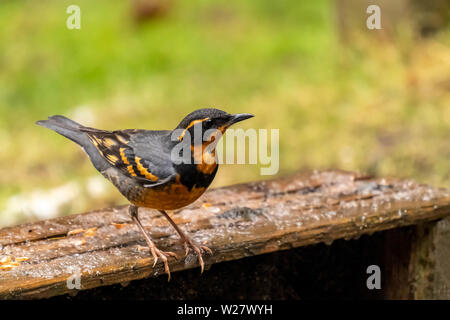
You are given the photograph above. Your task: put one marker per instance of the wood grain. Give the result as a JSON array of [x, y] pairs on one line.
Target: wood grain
[[235, 222]]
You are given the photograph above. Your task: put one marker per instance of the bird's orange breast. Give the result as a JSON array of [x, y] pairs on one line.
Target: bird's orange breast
[[169, 197]]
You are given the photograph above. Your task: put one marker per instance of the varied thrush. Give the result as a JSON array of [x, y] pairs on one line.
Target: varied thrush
[[145, 166]]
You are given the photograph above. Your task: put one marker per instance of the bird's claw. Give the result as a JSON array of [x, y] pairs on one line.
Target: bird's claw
[[156, 253], [188, 244]]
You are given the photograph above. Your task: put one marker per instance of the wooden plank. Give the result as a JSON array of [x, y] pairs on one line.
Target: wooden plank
[[429, 269], [235, 222]]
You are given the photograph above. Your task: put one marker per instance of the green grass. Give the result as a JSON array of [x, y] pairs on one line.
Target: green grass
[[376, 107]]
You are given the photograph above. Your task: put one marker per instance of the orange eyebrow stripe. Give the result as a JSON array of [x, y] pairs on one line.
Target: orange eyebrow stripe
[[122, 155], [190, 125], [143, 171]]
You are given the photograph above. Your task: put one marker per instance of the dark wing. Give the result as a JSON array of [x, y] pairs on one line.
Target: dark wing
[[140, 154]]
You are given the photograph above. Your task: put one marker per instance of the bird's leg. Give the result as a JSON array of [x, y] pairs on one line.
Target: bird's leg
[[133, 210], [188, 241]]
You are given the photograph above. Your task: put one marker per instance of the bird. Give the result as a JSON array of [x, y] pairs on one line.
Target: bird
[[157, 169]]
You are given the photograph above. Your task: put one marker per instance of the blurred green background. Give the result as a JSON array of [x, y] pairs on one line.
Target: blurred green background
[[342, 96]]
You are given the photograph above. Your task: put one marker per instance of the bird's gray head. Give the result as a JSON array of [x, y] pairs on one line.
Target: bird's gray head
[[209, 120]]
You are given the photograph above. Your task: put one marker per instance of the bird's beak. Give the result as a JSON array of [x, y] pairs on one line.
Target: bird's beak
[[239, 117]]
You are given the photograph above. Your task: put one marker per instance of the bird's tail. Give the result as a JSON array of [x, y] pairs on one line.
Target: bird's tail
[[77, 133], [65, 127]]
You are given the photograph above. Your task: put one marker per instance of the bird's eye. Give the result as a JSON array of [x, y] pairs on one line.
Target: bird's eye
[[207, 122]]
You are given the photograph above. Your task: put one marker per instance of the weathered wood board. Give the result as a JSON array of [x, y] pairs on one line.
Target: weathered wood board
[[105, 247]]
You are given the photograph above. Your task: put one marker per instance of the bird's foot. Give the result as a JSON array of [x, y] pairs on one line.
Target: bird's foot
[[156, 253], [189, 244], [163, 255]]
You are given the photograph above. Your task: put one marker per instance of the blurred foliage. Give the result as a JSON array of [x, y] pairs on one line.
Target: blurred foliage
[[374, 105]]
